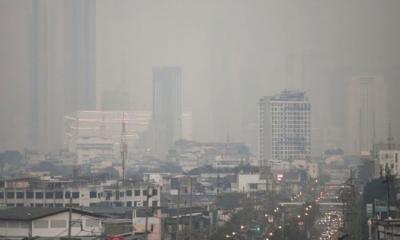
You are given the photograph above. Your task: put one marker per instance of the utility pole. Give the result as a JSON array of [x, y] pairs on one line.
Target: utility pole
[[190, 208], [177, 210], [70, 215], [351, 209], [387, 179], [267, 193], [147, 212]]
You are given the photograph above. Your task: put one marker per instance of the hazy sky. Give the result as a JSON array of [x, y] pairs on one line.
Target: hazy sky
[[234, 51], [231, 52]]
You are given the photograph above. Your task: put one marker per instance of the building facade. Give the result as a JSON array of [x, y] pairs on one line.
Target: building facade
[[97, 134], [17, 223], [57, 193], [284, 127], [388, 159]]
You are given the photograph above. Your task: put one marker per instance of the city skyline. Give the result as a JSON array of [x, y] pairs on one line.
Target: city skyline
[[220, 89]]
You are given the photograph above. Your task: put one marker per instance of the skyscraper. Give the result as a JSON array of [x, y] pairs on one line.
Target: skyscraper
[[62, 60], [366, 113], [80, 55], [167, 108], [284, 127], [15, 19], [47, 75]]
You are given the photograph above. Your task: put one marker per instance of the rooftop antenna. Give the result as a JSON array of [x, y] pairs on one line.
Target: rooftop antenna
[[303, 80], [103, 127], [390, 138], [124, 146], [373, 128]]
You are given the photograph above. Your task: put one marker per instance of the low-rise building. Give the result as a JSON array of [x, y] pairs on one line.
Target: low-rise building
[[390, 159], [58, 193], [251, 183], [384, 229], [18, 223]]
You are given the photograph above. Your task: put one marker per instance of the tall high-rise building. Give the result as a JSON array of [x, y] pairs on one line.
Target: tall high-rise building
[[62, 60], [284, 127], [366, 114], [15, 19], [80, 55], [167, 108], [47, 75]]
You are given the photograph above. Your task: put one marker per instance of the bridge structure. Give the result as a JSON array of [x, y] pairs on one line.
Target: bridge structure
[[333, 204]]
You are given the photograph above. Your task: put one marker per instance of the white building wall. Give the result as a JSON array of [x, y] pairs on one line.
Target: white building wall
[[84, 198], [246, 180], [14, 228], [81, 226], [391, 159]]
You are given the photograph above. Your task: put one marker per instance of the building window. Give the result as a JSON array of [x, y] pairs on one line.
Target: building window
[[129, 204], [108, 195], [75, 195], [93, 194], [154, 203], [76, 224], [121, 194], [59, 195], [67, 194], [29, 195], [58, 223], [92, 222], [41, 224], [144, 192], [49, 195], [137, 193], [1, 195], [39, 195], [129, 193], [10, 195], [39, 205], [253, 186], [20, 195], [155, 192]]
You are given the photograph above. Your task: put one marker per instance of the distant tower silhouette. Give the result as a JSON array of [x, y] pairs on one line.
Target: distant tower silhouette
[[124, 146]]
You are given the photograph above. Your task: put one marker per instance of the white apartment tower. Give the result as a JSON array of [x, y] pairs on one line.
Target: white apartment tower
[[284, 123]]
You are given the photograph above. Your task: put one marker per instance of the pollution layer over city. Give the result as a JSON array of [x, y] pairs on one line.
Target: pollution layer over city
[[199, 120]]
